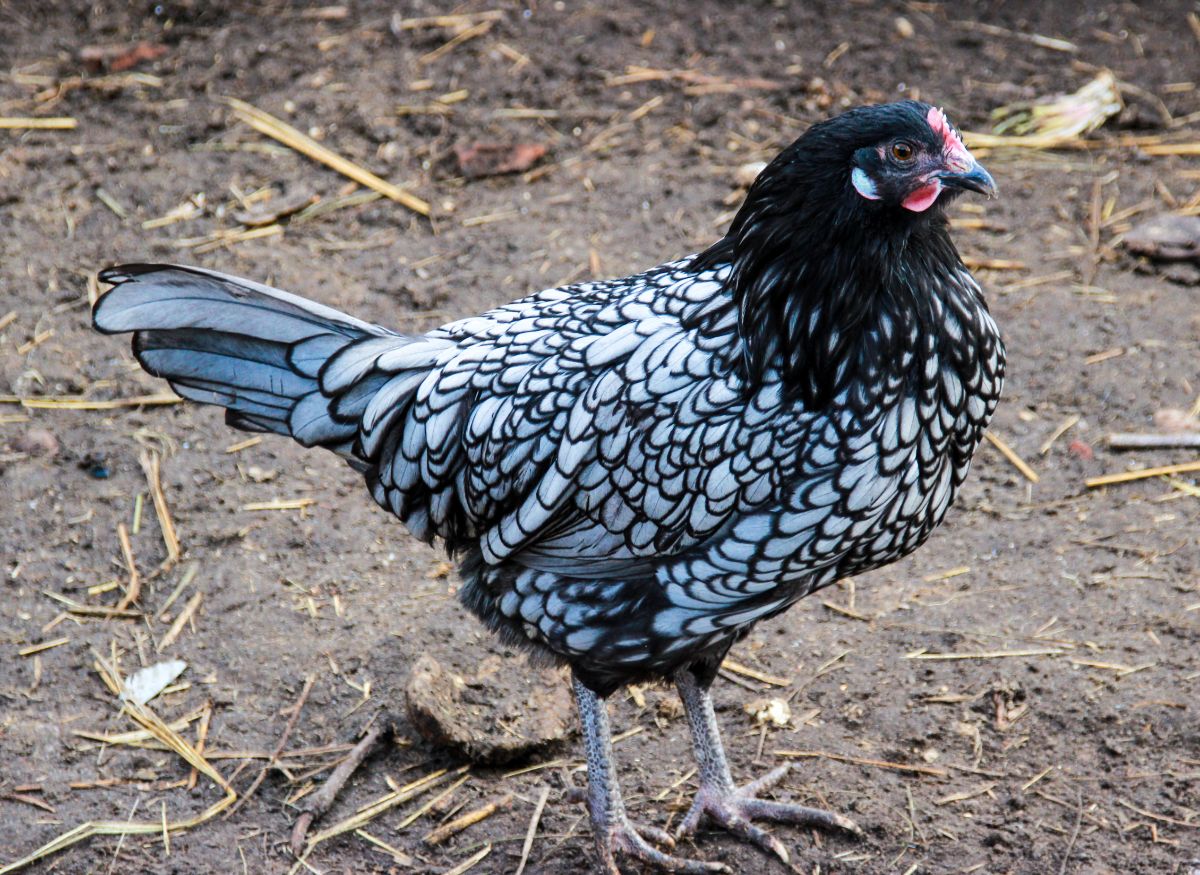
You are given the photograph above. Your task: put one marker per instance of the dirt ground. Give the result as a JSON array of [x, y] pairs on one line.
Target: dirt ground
[[1075, 750]]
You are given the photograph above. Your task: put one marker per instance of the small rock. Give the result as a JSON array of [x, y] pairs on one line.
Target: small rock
[[37, 442], [261, 475], [504, 713], [1166, 238], [904, 28], [1081, 449]]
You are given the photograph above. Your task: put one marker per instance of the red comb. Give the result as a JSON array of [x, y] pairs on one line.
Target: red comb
[[937, 120]]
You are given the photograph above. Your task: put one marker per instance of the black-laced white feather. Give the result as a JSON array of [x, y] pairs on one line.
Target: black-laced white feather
[[634, 470]]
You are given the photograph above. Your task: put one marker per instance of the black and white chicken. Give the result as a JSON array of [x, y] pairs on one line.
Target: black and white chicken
[[634, 472]]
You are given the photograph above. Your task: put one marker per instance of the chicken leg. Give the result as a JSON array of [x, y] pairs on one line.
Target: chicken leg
[[610, 825], [734, 807]]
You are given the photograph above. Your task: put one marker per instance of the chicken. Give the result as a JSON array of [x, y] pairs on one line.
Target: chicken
[[636, 471]]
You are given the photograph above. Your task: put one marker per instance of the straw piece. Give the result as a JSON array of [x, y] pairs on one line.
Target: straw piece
[[1011, 454], [947, 574], [189, 611], [267, 124], [1065, 426], [1172, 149], [983, 654], [391, 800], [63, 123], [281, 504], [469, 34], [436, 800], [398, 855], [470, 862], [454, 827], [134, 589], [1159, 817], [244, 445], [43, 646], [154, 724], [38, 403], [1141, 474], [859, 761], [769, 679], [460, 20], [966, 794], [151, 465], [74, 607], [527, 846], [993, 263]]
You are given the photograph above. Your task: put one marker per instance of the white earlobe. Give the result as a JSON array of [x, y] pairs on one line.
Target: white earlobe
[[863, 184]]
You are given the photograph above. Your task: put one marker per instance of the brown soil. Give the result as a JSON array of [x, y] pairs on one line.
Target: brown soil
[[1057, 762]]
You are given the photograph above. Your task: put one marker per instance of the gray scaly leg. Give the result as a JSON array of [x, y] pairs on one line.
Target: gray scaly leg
[[731, 807], [612, 829]]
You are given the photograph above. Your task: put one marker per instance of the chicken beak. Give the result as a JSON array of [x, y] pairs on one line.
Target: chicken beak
[[973, 178]]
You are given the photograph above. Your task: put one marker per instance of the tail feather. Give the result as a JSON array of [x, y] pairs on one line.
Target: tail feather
[[256, 351]]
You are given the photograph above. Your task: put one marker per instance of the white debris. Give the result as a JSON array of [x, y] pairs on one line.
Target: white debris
[[144, 684]]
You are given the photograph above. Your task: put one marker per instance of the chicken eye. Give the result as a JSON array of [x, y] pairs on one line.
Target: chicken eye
[[902, 151]]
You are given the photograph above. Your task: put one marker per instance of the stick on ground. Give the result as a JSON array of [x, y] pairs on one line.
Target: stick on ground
[[318, 803]]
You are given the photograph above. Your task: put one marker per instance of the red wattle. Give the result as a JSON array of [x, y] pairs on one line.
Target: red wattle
[[922, 199]]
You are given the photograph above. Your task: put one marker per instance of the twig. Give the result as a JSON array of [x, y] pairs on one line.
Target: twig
[[533, 825], [318, 803], [283, 739], [1124, 440], [1159, 817], [1074, 837], [1045, 42]]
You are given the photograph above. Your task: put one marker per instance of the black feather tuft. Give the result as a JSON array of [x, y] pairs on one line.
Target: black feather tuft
[[814, 263]]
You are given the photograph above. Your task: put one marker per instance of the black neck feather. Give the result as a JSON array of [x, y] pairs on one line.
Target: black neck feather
[[826, 287]]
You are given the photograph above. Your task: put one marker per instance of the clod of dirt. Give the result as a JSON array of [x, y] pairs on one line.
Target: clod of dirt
[[494, 159], [497, 716], [1166, 238], [775, 712], [37, 442]]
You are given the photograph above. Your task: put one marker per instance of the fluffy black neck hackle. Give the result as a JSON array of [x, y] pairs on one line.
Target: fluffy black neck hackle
[[815, 266]]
